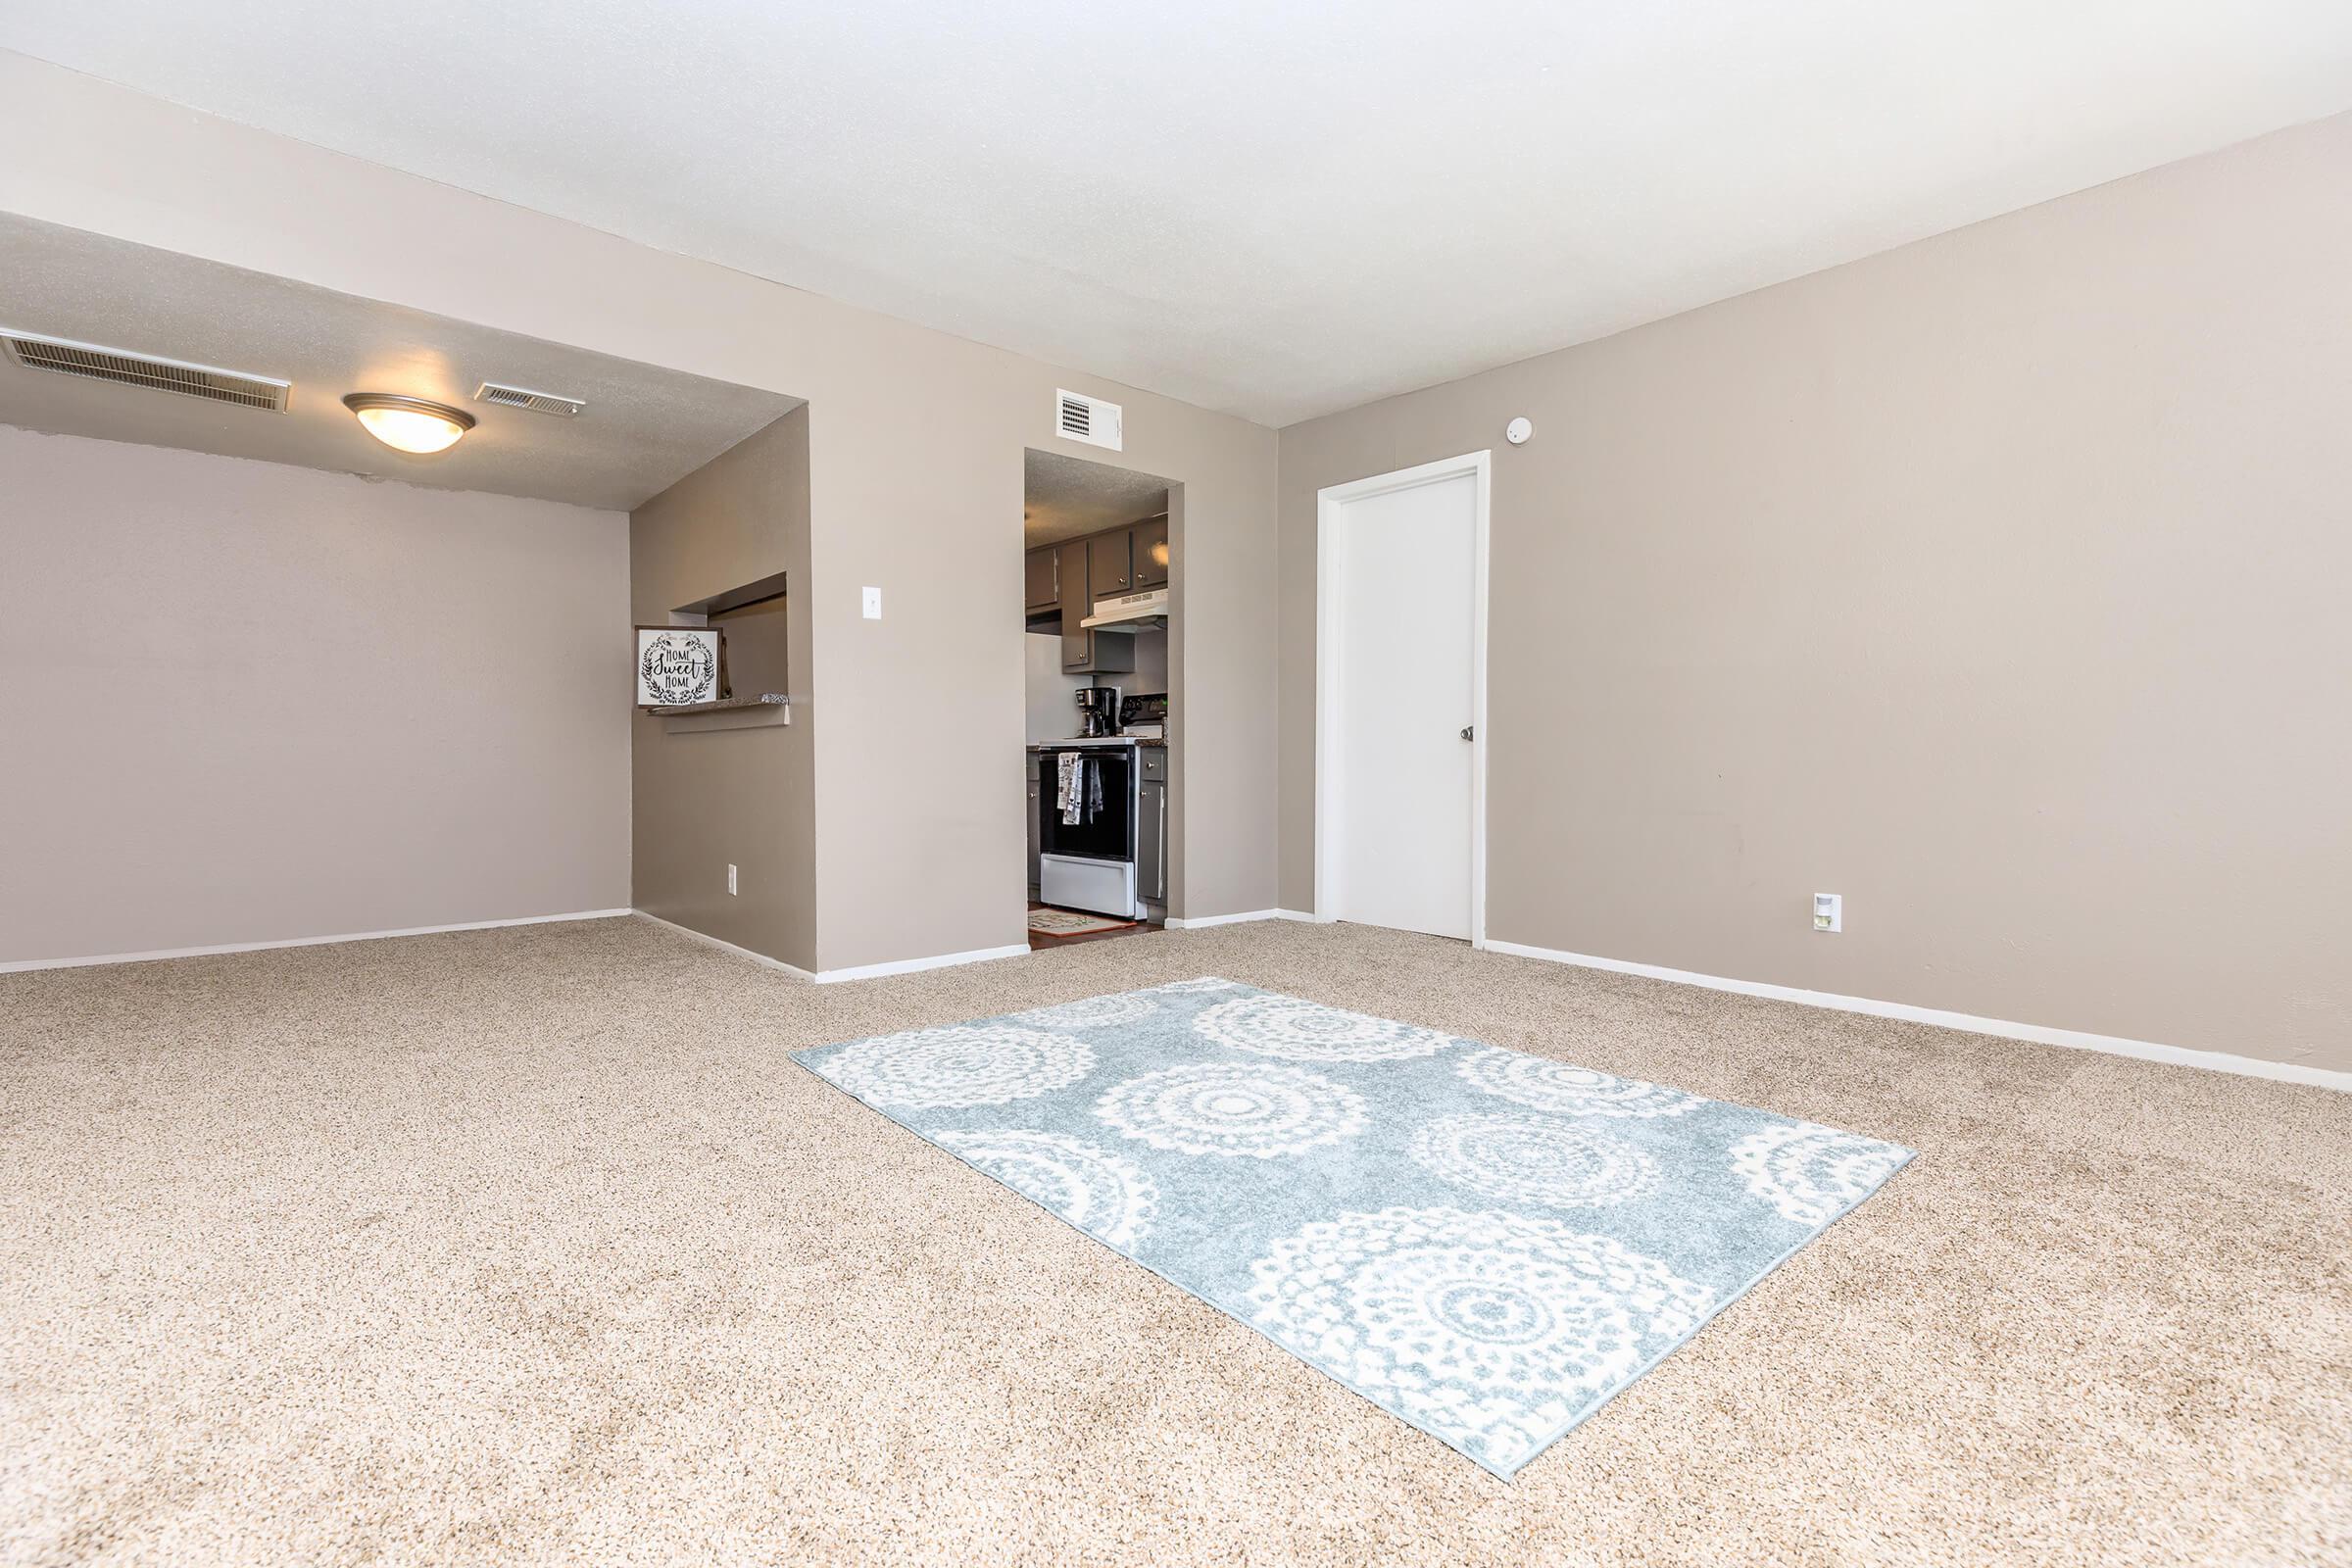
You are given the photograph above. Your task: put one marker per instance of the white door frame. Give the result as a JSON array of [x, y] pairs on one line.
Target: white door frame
[[1329, 542]]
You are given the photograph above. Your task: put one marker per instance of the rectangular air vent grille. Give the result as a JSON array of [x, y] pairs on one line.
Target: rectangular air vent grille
[[1077, 418], [517, 397], [125, 368]]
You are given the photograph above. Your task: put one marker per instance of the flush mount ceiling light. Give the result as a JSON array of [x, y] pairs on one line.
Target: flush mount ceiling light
[[409, 425]]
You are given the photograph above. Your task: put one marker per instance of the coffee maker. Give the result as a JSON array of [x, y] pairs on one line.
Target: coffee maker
[[1097, 711]]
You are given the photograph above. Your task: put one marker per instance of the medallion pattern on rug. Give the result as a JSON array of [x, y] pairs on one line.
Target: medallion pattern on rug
[[973, 1064], [1812, 1174], [1486, 1244], [1565, 1091], [1306, 1031], [1095, 1189], [1535, 1160], [1233, 1108]]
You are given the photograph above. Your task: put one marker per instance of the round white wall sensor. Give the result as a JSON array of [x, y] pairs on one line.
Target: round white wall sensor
[[1517, 432]]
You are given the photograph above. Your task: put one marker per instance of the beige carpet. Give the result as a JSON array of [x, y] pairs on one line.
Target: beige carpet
[[532, 1246]]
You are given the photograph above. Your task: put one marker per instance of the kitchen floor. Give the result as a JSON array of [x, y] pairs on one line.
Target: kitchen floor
[[1040, 941]]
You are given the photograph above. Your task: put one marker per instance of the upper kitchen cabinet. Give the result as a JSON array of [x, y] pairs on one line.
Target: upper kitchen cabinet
[[1042, 581], [1084, 651], [1070, 581], [1150, 552], [1110, 564]]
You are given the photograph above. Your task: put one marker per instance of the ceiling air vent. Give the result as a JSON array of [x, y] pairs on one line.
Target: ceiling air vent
[[125, 368], [1088, 420], [517, 397]]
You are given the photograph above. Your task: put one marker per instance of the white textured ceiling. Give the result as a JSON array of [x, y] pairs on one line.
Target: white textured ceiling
[[1063, 497], [1273, 208], [644, 426]]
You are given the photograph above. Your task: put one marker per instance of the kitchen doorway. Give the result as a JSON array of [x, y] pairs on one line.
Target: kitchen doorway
[[1096, 573], [1401, 733]]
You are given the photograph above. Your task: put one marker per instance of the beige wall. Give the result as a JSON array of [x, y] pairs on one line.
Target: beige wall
[[915, 460], [707, 798], [1997, 583], [915, 486], [252, 702], [1990, 583]]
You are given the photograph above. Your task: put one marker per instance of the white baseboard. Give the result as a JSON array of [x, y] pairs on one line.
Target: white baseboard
[[14, 967], [862, 971], [707, 940], [874, 971], [2033, 1033], [1199, 921]]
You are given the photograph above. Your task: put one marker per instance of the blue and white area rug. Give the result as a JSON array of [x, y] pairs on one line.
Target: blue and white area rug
[[1484, 1243]]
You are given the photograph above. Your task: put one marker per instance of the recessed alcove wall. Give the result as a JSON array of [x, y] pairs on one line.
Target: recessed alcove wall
[[303, 705], [722, 546]]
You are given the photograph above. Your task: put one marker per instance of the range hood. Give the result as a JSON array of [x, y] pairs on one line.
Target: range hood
[[1132, 611]]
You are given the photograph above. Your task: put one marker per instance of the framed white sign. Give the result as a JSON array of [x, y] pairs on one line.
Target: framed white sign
[[680, 665]]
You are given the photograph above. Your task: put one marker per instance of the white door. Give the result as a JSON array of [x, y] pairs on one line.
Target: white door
[[1401, 677]]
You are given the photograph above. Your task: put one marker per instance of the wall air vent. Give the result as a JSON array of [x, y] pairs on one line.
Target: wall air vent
[[1088, 420], [125, 368], [517, 397]]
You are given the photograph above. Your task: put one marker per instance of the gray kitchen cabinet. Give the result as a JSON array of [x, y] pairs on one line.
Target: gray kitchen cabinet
[[1064, 581], [1152, 839], [1151, 550], [1083, 651], [1098, 653], [1040, 581], [1077, 647], [1110, 564], [1035, 824]]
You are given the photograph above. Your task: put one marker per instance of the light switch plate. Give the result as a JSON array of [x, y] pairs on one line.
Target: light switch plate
[[873, 604]]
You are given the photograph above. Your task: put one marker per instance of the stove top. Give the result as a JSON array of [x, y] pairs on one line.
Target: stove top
[[1090, 740]]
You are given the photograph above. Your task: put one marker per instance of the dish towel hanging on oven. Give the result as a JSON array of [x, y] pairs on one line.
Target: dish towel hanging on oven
[[1079, 796]]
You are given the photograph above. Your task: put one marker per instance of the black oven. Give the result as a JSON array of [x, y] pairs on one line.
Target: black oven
[[1105, 784]]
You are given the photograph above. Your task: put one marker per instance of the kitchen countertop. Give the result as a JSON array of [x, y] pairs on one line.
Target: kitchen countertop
[[762, 700], [1081, 742]]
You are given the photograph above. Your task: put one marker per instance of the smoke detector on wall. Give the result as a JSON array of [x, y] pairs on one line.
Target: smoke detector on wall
[[123, 367], [518, 397], [1078, 417]]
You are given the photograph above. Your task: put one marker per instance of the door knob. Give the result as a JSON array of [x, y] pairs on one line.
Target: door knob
[[1466, 731]]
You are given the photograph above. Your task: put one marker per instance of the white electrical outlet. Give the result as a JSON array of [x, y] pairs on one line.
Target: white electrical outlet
[[873, 604], [1829, 911], [730, 881]]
